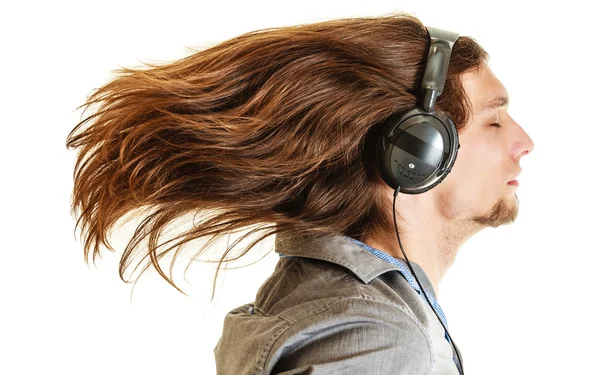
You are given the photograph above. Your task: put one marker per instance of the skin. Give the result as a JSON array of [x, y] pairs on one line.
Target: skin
[[475, 195]]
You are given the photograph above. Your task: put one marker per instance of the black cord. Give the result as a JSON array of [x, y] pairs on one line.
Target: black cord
[[420, 286]]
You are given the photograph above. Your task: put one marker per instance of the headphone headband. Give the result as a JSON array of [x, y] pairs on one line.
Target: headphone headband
[[436, 69]]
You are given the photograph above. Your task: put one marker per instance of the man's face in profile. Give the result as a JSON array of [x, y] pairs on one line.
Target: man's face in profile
[[477, 189]]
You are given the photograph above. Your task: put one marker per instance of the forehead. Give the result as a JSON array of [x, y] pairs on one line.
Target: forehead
[[482, 88]]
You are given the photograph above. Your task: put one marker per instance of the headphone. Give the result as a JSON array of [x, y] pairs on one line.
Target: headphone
[[416, 150]]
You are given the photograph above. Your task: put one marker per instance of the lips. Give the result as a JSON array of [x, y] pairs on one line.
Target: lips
[[514, 179]]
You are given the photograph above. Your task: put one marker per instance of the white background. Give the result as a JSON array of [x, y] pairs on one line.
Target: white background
[[519, 299]]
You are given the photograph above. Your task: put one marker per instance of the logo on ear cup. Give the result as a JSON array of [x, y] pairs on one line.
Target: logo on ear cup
[[407, 172]]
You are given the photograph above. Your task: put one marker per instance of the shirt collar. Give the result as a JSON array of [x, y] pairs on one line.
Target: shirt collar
[[345, 252]]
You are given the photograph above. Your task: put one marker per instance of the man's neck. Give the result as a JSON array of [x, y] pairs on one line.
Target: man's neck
[[427, 238]]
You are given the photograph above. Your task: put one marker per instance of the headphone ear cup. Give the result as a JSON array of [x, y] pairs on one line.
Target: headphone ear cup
[[417, 150]]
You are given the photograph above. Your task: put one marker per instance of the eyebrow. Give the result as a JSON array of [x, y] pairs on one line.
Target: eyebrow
[[498, 101]]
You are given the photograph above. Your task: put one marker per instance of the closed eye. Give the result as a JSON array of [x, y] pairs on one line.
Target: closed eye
[[495, 124]]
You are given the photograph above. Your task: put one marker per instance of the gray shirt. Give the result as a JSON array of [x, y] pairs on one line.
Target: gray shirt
[[332, 307]]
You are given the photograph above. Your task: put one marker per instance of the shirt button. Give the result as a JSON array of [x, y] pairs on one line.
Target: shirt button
[[251, 310]]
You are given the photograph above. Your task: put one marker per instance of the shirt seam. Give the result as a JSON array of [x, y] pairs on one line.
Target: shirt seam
[[277, 335]]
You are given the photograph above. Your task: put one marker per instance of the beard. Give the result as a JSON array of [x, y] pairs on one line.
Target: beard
[[505, 211]]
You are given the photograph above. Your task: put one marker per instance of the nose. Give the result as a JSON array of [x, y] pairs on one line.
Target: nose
[[524, 145]]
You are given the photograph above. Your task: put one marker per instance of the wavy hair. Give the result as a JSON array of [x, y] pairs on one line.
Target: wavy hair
[[272, 129]]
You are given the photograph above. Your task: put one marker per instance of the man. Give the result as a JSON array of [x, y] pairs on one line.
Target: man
[[332, 307]]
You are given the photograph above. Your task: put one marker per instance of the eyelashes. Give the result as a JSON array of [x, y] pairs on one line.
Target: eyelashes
[[496, 124]]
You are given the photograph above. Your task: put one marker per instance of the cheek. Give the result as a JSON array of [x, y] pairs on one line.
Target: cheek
[[470, 173], [476, 177], [464, 160], [474, 160]]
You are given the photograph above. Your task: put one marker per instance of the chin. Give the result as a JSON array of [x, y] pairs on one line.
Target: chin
[[505, 211]]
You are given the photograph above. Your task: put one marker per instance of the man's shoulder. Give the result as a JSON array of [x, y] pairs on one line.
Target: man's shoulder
[[357, 334], [311, 312], [302, 286], [361, 333]]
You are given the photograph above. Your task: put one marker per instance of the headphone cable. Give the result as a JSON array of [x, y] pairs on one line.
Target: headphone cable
[[420, 286]]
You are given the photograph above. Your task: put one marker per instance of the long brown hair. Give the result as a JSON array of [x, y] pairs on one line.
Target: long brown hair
[[272, 129]]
